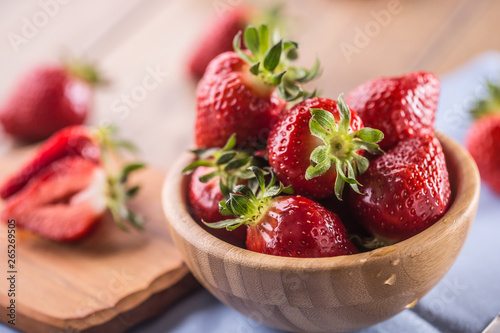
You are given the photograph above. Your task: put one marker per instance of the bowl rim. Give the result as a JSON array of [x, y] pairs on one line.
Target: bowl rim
[[465, 200]]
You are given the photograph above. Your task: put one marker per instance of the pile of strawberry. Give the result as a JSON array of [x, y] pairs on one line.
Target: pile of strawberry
[[274, 160]]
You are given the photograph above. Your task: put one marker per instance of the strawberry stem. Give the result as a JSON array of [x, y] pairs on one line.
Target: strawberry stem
[[340, 147], [228, 164], [490, 104], [248, 203], [84, 71], [269, 58], [118, 192]]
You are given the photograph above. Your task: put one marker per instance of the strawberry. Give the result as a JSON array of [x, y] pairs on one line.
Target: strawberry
[[71, 141], [244, 92], [204, 201], [404, 191], [48, 99], [65, 188], [483, 140], [331, 137], [63, 202], [217, 38], [289, 226], [215, 175], [400, 107]]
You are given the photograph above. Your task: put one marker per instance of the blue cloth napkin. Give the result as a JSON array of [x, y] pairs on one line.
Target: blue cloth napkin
[[467, 298]]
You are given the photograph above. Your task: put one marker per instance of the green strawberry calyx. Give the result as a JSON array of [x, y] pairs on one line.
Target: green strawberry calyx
[[270, 57], [118, 192], [249, 203], [340, 147], [84, 71], [230, 165], [490, 104]]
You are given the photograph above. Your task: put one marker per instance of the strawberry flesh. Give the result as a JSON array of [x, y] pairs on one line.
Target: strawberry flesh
[[71, 141], [405, 191], [56, 203], [294, 226]]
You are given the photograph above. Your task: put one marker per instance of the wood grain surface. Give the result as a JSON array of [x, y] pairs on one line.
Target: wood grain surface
[[109, 281], [336, 294], [129, 39]]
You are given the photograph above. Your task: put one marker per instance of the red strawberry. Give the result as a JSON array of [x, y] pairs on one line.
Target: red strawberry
[[289, 226], [400, 107], [71, 141], [308, 133], [294, 226], [238, 92], [63, 190], [405, 191], [204, 201], [63, 202], [216, 174], [48, 99], [483, 141], [217, 38]]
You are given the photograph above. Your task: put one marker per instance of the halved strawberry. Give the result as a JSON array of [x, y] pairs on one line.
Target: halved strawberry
[[71, 141], [63, 202], [64, 190]]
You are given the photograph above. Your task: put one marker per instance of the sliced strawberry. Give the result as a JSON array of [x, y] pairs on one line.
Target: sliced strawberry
[[63, 190], [71, 141], [400, 107], [63, 202]]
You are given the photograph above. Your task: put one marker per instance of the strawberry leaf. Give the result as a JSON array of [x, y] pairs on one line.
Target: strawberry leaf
[[273, 56], [324, 118], [269, 61], [128, 169], [247, 203], [226, 157], [339, 147], [251, 38], [369, 135]]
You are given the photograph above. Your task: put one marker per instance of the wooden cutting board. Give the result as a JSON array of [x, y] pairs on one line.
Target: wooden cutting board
[[107, 282]]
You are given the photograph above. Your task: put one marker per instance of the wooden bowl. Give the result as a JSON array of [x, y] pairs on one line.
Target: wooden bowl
[[327, 294]]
